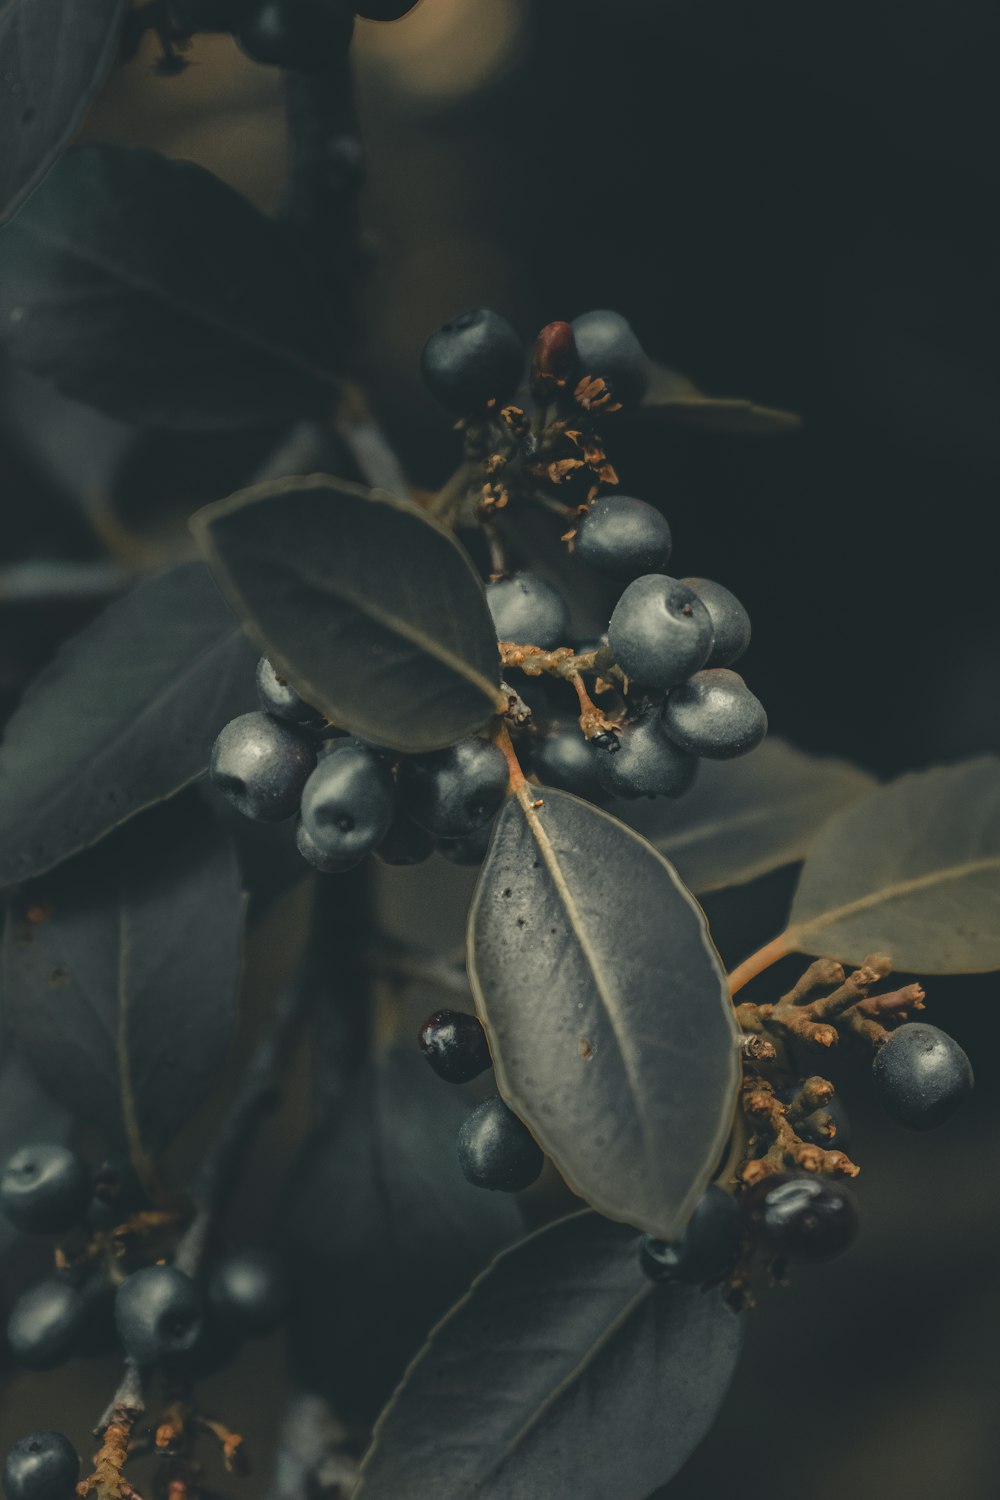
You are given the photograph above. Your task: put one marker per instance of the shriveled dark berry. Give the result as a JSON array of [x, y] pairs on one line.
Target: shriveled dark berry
[[454, 792], [730, 621], [496, 1150], [608, 349], [277, 696], [660, 632], [800, 1217], [45, 1189], [455, 1045], [476, 358], [528, 611], [248, 1291], [159, 1314], [41, 1466], [348, 803], [714, 714], [921, 1076], [646, 763], [46, 1324], [262, 765], [706, 1249], [623, 537]]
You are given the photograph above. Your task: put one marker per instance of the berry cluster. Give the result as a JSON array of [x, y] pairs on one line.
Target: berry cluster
[[103, 1294], [308, 35]]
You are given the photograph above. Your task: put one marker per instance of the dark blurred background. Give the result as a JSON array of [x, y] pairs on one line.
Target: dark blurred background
[[793, 203]]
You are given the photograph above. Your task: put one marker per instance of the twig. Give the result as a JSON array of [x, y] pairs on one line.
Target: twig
[[115, 1428]]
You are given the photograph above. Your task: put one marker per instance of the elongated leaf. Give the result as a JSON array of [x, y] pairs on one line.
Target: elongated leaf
[[53, 56], [149, 289], [123, 717], [27, 1114], [673, 398], [563, 1372], [913, 871], [385, 1232], [120, 973], [746, 817], [373, 611], [606, 1006]]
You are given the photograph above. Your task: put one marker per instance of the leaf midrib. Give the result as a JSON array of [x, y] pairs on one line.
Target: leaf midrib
[[889, 894]]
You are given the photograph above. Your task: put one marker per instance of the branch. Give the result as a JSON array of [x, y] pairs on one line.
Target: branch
[[115, 1428]]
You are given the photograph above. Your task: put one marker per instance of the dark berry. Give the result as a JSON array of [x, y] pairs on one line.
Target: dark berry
[[469, 851], [609, 350], [706, 1249], [41, 1466], [646, 763], [730, 621], [454, 792], [801, 1218], [215, 1348], [308, 35], [562, 757], [384, 10], [159, 1314], [476, 358], [47, 1324], [262, 765], [247, 1292], [623, 537], [714, 714], [313, 855], [117, 1193], [497, 1151], [45, 1189], [406, 843], [348, 803], [455, 1045], [660, 632], [921, 1076], [528, 611], [277, 696]]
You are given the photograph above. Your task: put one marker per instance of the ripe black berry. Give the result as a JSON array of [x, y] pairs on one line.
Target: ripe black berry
[[497, 1151], [624, 537], [660, 632], [308, 35], [608, 349], [921, 1076], [159, 1314], [117, 1193], [45, 1189], [406, 843], [454, 792], [715, 714], [646, 763], [348, 803], [801, 1218], [562, 757], [528, 611], [247, 1292], [313, 855], [262, 766], [730, 621], [278, 697], [455, 1045], [41, 1466], [476, 358], [705, 1250], [46, 1324]]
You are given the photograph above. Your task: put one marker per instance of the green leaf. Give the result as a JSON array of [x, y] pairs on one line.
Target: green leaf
[[151, 290], [53, 57], [563, 1372], [120, 974], [912, 871], [744, 818], [607, 1008], [123, 717], [371, 608], [384, 1232], [674, 399]]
